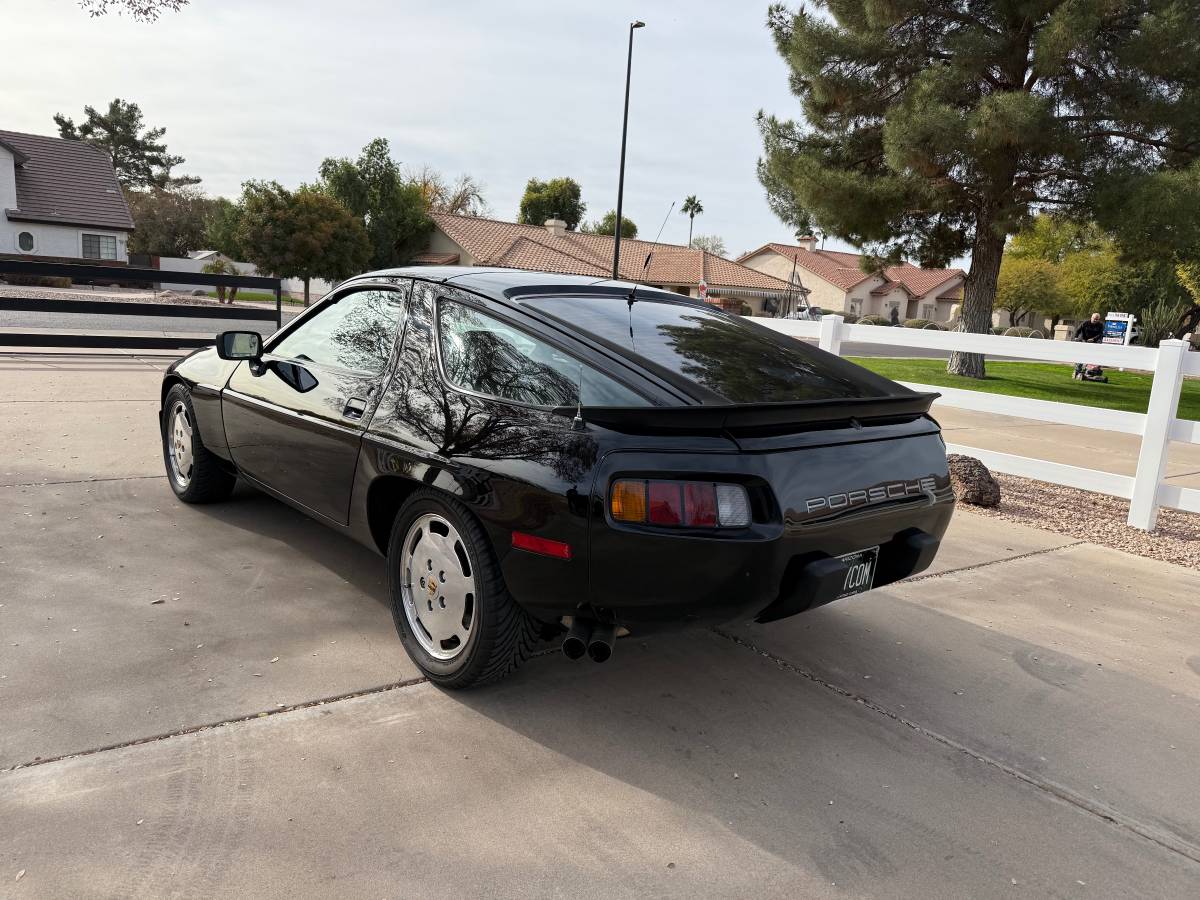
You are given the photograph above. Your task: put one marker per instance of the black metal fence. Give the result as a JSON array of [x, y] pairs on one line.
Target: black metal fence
[[106, 275]]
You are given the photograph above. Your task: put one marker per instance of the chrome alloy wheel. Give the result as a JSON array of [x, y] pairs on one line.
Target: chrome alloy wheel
[[179, 444], [437, 587]]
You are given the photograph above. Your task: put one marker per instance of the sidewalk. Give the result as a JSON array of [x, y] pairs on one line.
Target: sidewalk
[[1089, 448]]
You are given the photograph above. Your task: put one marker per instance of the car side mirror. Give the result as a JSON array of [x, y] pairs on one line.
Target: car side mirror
[[238, 345]]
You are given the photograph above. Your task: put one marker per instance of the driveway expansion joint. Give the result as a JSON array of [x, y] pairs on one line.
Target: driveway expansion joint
[[235, 720], [210, 726], [82, 481], [992, 562], [1166, 841]]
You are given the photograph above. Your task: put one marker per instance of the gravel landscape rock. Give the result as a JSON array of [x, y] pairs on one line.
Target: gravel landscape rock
[[107, 295], [972, 482], [1097, 518]]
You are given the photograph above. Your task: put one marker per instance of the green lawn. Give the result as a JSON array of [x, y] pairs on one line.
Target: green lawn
[[1129, 391], [262, 296]]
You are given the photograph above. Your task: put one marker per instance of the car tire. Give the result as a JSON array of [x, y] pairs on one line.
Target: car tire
[[195, 474], [435, 536]]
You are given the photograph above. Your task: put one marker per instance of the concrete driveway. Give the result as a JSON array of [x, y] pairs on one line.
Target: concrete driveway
[[1023, 720]]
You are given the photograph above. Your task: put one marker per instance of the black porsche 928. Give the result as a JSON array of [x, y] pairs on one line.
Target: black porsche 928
[[538, 453]]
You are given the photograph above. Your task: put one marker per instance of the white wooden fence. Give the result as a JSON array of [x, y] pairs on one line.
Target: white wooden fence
[[1157, 427]]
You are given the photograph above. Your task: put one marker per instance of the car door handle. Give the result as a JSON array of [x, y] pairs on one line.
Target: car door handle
[[354, 408]]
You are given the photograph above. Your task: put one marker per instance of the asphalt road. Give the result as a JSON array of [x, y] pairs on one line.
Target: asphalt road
[[211, 701], [97, 321]]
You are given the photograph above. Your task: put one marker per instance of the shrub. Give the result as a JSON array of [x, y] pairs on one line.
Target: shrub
[[37, 281], [1159, 319], [921, 323], [849, 318], [1018, 331], [874, 320]]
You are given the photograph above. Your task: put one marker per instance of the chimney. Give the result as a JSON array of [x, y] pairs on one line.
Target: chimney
[[556, 227], [807, 242]]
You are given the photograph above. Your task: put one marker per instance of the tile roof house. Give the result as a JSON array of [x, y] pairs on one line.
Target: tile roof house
[[471, 241], [60, 201], [838, 284]]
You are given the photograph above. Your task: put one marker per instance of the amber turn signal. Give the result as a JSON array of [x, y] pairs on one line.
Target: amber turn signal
[[629, 501]]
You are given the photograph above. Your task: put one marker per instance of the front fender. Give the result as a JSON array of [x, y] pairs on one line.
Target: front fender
[[205, 374]]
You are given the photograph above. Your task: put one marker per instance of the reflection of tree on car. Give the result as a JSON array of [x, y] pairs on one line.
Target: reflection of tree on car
[[457, 426], [719, 355], [491, 362]]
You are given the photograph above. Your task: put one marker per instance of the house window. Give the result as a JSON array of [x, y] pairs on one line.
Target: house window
[[99, 246], [929, 311], [855, 308], [25, 242]]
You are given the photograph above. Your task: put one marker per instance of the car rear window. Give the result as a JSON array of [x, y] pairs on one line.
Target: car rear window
[[483, 354], [740, 361]]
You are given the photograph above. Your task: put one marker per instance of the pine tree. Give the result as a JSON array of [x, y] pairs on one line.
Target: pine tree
[[139, 154], [933, 128]]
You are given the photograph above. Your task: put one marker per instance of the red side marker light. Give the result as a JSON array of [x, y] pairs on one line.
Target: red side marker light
[[540, 545]]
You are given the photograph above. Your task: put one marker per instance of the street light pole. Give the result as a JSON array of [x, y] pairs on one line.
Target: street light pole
[[621, 174]]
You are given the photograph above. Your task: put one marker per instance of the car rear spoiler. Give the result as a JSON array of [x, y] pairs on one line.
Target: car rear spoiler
[[756, 416]]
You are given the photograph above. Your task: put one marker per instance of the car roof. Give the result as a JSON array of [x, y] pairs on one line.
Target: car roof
[[502, 284]]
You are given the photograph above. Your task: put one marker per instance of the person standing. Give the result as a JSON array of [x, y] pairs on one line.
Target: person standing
[[1089, 332]]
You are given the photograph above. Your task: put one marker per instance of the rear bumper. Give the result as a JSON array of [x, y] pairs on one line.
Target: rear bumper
[[786, 562], [644, 580]]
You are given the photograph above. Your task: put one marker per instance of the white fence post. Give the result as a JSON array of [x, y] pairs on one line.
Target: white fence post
[[831, 334], [1156, 437]]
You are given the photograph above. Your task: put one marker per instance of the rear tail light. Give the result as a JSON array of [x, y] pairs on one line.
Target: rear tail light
[[692, 504]]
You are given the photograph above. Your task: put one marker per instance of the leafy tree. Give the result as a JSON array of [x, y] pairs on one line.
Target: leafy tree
[[222, 228], [1097, 279], [934, 127], [712, 243], [608, 225], [139, 155], [1053, 238], [1029, 284], [303, 234], [139, 10], [1189, 276], [389, 206], [691, 208], [463, 196], [558, 198], [169, 223]]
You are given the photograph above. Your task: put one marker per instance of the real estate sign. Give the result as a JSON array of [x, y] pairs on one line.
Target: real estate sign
[[1118, 328]]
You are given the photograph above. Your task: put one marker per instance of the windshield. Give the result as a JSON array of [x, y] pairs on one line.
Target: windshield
[[729, 356]]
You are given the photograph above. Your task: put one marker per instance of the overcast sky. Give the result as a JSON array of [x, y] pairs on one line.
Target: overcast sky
[[504, 90]]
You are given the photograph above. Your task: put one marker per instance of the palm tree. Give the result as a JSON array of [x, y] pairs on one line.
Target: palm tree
[[691, 208]]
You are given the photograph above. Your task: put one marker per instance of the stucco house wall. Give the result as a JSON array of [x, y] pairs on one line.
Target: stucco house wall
[[57, 241], [440, 242], [828, 296], [8, 180]]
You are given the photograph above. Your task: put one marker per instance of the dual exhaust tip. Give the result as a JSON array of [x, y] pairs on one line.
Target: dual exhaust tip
[[596, 639]]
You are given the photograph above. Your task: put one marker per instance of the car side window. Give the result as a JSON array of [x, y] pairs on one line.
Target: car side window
[[482, 354], [357, 331]]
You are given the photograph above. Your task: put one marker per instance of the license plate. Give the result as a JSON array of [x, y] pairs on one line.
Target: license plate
[[861, 573]]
